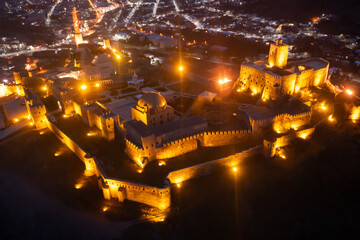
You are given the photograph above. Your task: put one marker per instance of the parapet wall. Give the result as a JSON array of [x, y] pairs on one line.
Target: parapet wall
[[185, 145], [208, 167], [116, 188], [222, 138]]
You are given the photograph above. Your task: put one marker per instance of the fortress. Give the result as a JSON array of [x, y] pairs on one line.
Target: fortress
[[278, 77], [150, 130]]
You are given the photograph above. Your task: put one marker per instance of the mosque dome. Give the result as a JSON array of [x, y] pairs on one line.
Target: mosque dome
[[152, 100]]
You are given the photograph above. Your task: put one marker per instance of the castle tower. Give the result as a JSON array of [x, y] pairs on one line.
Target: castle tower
[[278, 54], [37, 111], [17, 77], [108, 126], [107, 44]]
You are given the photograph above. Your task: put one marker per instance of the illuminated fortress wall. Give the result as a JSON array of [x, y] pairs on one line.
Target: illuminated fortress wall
[[208, 167], [222, 138], [184, 145], [285, 122], [115, 188], [270, 146]]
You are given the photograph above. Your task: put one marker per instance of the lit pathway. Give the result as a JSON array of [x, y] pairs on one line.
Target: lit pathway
[[48, 17], [156, 4], [131, 14]]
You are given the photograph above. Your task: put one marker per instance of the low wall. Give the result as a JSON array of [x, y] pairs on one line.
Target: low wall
[[116, 188], [208, 167]]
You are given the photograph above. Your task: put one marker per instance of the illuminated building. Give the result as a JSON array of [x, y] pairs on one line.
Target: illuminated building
[[279, 77], [152, 110], [152, 127]]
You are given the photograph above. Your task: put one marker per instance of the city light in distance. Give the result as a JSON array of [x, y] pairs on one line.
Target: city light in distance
[[16, 119], [118, 56], [181, 68], [44, 88], [234, 169], [83, 87], [139, 171], [97, 85], [104, 209], [78, 185]]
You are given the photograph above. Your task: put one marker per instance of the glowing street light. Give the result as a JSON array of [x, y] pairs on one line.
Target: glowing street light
[[44, 88], [349, 92], [97, 85], [181, 68], [118, 56], [223, 81], [83, 87], [234, 169]]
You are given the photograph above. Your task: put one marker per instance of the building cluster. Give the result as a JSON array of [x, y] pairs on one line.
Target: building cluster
[[278, 77]]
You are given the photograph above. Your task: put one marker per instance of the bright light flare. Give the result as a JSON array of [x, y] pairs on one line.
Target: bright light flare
[[355, 114], [90, 134], [178, 185], [78, 185], [97, 85], [235, 169], [181, 68], [57, 154], [44, 88], [104, 209], [349, 92], [331, 118], [139, 171], [83, 87], [303, 136], [223, 81]]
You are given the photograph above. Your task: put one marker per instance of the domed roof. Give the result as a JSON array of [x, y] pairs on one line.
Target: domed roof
[[152, 100]]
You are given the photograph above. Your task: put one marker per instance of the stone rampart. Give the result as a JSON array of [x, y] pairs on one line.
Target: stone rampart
[[222, 138], [208, 167], [116, 188]]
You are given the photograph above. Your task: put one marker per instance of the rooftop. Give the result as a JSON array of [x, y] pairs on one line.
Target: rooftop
[[178, 124]]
